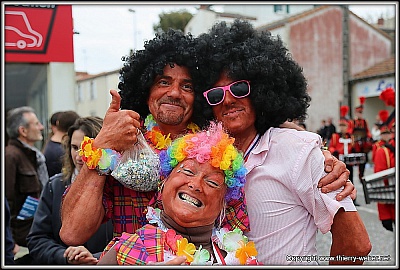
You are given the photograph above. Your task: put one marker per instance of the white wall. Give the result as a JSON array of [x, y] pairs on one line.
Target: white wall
[[99, 103], [265, 13], [61, 85], [201, 22]]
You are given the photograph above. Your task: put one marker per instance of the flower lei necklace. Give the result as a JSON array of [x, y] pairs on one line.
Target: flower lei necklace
[[156, 137], [240, 251]]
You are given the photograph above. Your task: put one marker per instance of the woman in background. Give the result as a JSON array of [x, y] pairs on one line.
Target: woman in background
[[44, 242]]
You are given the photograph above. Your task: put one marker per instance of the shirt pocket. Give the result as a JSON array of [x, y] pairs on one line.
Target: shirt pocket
[[28, 182]]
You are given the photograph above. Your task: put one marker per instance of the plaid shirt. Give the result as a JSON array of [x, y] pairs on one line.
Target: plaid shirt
[[146, 245], [126, 207]]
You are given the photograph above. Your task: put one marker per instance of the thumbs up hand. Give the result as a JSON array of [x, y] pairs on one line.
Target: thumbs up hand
[[120, 127]]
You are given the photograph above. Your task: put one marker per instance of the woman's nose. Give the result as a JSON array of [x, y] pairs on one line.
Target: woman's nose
[[194, 184]]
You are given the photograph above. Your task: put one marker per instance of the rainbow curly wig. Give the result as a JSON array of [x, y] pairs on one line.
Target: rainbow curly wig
[[214, 145]]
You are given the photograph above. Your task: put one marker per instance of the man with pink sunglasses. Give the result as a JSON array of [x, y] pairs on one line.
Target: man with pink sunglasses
[[255, 87]]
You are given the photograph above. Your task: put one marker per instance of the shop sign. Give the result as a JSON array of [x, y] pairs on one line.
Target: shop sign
[[38, 33]]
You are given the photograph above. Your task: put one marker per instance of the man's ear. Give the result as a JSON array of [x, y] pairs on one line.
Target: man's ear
[[22, 131]]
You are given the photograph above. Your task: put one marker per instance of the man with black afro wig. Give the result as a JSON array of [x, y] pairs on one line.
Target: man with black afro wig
[[252, 85], [140, 69], [157, 98]]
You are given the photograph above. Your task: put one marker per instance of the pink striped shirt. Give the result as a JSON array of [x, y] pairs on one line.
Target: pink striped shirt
[[285, 206]]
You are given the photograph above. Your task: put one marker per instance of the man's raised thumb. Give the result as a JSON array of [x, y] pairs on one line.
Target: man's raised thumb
[[115, 103]]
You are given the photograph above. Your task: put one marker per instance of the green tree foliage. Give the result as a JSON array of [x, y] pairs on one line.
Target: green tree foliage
[[174, 20]]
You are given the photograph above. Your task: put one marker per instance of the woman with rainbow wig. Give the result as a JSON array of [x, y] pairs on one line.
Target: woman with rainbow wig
[[214, 146], [201, 172]]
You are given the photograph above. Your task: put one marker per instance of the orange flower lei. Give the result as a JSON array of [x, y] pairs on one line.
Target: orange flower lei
[[90, 155], [156, 137], [103, 160]]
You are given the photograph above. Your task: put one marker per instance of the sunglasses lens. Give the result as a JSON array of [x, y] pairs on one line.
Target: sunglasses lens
[[215, 96], [240, 89]]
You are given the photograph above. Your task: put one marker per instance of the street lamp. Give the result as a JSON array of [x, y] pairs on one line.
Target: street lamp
[[134, 27]]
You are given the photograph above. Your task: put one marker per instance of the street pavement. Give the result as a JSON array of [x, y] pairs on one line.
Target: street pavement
[[384, 244]]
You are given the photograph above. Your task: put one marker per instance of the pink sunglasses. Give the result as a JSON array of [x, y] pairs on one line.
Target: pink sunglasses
[[238, 89]]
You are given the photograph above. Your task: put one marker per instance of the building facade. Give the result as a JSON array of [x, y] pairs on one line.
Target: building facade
[[332, 47], [257, 14], [93, 92], [370, 83]]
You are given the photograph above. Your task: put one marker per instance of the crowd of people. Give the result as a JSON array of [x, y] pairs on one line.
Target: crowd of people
[[326, 130], [217, 110], [33, 196], [355, 142]]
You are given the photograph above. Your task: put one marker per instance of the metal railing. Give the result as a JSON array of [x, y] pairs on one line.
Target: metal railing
[[380, 186]]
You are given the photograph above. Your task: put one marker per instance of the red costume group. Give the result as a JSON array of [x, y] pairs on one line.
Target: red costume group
[[354, 138], [383, 155]]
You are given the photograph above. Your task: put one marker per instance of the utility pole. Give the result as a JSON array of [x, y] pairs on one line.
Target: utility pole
[[134, 28], [346, 56]]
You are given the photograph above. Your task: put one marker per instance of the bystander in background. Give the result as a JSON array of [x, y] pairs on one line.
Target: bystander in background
[[44, 242], [9, 241], [53, 150], [330, 129], [53, 127], [25, 168], [322, 130]]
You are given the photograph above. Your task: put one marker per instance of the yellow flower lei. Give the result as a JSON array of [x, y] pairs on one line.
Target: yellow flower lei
[[157, 138], [102, 160], [90, 155]]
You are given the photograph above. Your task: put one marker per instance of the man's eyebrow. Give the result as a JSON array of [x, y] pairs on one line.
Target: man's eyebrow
[[188, 80], [163, 77], [170, 78]]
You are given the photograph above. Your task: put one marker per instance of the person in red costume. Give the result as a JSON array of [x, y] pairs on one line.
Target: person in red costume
[[336, 145], [341, 143], [384, 155], [388, 96], [383, 116], [384, 158], [362, 136]]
